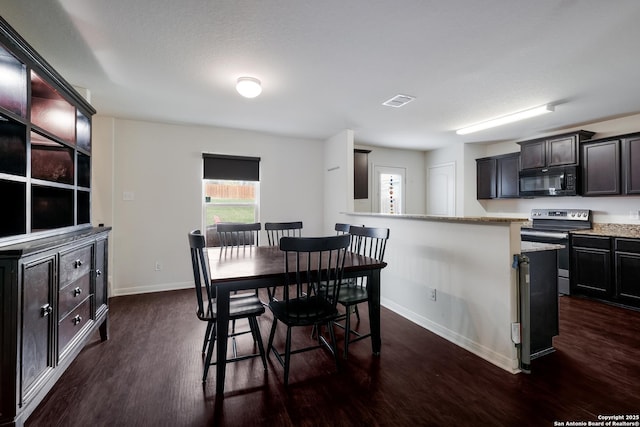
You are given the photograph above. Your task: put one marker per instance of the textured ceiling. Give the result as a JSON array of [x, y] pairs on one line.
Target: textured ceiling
[[328, 65]]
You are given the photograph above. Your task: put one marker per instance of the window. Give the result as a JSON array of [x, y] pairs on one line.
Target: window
[[231, 191], [390, 190]]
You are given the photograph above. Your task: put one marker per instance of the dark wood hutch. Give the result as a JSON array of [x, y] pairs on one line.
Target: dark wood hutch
[[53, 262]]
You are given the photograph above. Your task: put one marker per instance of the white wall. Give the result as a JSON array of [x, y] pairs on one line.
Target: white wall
[[338, 178], [161, 164], [413, 162]]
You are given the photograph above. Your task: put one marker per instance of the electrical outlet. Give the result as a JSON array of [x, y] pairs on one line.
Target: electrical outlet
[[158, 266], [432, 294], [515, 333]]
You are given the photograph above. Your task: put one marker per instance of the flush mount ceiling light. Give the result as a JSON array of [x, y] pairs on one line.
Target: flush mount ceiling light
[[509, 118], [249, 87]]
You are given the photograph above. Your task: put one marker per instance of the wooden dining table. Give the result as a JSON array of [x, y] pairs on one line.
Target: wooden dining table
[[252, 267]]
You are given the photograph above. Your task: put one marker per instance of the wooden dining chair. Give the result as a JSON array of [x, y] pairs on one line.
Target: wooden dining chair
[[311, 264], [242, 306], [370, 242], [277, 230]]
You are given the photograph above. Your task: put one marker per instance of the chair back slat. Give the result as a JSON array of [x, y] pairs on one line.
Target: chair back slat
[[238, 235], [277, 230]]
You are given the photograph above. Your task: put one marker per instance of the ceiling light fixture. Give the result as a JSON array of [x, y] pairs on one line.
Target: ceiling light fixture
[[249, 87], [509, 118]]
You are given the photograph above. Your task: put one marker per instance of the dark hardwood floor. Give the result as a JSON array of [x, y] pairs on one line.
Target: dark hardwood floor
[[148, 374]]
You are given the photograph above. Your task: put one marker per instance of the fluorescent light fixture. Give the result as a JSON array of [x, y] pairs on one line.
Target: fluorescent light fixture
[[509, 118], [249, 87]]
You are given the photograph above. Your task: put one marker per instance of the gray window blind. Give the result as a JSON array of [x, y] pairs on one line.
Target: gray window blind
[[218, 166]]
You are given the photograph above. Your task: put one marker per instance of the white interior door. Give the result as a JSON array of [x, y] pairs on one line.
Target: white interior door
[[441, 190]]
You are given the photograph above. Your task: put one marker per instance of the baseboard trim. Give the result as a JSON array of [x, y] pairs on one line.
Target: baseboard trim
[[501, 361]]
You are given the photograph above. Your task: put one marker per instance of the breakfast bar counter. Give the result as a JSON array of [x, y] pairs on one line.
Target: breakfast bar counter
[[455, 277]]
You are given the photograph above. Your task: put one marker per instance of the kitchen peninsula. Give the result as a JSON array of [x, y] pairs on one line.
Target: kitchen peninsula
[[468, 262]]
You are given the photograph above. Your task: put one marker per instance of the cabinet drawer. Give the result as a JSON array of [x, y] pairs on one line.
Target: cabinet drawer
[[74, 264], [71, 296], [594, 242], [73, 323], [628, 245]]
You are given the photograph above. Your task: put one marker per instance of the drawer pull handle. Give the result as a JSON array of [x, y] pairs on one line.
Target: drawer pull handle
[[77, 291], [98, 273], [76, 320], [46, 310], [78, 263]]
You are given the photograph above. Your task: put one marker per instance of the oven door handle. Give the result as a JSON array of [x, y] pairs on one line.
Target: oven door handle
[[544, 234]]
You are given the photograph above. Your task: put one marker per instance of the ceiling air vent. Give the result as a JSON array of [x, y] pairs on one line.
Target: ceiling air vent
[[398, 101]]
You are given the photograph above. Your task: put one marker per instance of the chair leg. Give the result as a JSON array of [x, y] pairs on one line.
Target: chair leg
[[355, 309], [347, 331], [332, 335], [287, 357], [212, 344], [206, 338], [255, 330], [271, 335]]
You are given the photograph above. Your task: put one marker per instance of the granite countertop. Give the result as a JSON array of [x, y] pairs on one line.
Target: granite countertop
[[476, 219], [613, 230], [536, 247]]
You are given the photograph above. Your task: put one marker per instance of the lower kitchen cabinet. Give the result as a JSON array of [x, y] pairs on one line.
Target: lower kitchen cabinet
[[627, 272], [53, 297], [591, 266], [606, 268]]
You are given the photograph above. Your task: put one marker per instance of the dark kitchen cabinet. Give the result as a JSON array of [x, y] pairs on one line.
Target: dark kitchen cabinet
[[361, 174], [497, 176], [627, 271], [591, 266], [611, 166], [600, 168], [631, 164], [558, 150]]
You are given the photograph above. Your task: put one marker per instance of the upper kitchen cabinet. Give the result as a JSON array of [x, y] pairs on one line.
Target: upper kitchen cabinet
[[631, 164], [558, 150], [497, 176], [611, 166], [45, 145]]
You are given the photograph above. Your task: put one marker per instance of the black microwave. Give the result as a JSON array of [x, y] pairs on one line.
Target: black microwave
[[557, 181]]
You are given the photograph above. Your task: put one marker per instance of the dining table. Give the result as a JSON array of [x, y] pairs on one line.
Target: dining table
[[251, 267]]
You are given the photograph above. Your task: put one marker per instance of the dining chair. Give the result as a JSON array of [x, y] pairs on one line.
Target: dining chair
[[342, 228], [238, 236], [370, 242], [242, 306], [311, 264], [276, 230]]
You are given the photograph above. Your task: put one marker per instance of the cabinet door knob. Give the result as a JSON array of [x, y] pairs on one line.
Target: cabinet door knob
[[98, 273], [78, 263], [45, 310], [76, 319], [77, 291]]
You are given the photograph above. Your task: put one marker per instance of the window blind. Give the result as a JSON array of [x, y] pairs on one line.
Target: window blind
[[219, 166]]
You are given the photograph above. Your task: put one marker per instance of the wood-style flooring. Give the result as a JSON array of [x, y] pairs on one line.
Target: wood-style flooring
[[149, 374]]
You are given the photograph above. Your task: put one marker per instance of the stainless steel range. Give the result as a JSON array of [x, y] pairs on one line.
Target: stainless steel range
[[553, 226]]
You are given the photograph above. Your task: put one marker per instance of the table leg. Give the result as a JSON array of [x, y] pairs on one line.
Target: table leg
[[222, 335], [373, 288]]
